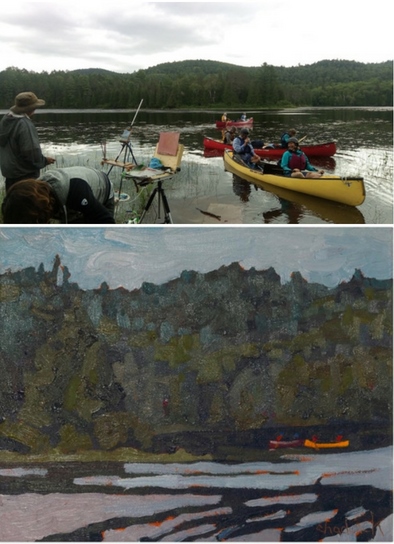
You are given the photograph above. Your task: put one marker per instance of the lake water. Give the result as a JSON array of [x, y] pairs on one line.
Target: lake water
[[364, 138], [307, 497]]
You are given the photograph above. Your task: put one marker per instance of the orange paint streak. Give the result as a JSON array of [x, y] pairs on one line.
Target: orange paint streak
[[333, 474], [304, 459], [158, 523], [327, 520]]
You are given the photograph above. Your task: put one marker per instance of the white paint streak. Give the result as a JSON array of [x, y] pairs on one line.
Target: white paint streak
[[20, 472], [32, 516]]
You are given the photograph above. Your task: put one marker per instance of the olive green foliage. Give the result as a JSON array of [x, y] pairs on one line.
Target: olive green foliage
[[208, 84], [232, 349]]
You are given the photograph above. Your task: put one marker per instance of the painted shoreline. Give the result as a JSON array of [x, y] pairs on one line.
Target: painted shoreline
[[302, 498]]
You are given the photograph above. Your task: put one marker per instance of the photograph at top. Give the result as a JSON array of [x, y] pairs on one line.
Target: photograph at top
[[181, 125]]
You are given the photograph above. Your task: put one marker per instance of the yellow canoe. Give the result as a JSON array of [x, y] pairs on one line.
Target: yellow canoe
[[346, 190], [326, 445]]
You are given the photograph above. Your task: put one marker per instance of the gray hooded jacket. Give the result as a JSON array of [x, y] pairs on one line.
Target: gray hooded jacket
[[20, 150]]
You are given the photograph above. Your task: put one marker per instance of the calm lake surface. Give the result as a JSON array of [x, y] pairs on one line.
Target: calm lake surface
[[364, 138], [310, 497]]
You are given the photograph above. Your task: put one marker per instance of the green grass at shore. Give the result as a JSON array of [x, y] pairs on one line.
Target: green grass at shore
[[121, 455]]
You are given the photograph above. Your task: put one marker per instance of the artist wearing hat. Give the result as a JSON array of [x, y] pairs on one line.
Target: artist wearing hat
[[20, 151]]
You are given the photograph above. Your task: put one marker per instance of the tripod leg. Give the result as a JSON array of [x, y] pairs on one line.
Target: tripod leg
[[167, 212], [148, 205], [117, 157], [128, 152]]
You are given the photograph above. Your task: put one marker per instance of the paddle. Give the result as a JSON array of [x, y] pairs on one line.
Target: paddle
[[302, 139]]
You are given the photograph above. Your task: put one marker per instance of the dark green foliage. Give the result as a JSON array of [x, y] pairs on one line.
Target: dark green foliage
[[208, 84]]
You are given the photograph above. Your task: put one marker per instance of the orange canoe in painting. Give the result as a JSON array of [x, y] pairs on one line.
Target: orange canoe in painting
[[326, 445]]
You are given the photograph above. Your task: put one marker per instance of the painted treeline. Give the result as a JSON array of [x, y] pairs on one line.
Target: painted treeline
[[231, 350]]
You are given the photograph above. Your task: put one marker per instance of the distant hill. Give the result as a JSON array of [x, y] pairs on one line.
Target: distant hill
[[93, 71], [210, 84], [204, 67]]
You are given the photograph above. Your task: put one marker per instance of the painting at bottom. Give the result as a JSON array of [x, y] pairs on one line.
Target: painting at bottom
[[196, 384]]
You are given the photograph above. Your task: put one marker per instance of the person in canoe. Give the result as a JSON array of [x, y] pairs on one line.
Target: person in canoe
[[296, 164], [74, 194], [229, 134], [243, 117], [224, 118], [243, 148], [291, 133]]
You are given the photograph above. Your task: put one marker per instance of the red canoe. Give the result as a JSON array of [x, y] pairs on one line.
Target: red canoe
[[224, 124], [327, 149], [274, 444]]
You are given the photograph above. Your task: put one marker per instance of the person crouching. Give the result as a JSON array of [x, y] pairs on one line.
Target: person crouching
[[76, 194]]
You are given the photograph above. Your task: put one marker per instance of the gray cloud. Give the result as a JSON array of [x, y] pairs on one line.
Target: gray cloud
[[126, 36]]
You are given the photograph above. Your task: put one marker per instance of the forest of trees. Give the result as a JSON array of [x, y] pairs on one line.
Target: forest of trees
[[229, 350], [208, 84]]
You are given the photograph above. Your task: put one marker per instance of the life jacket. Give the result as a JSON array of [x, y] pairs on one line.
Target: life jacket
[[247, 150], [297, 161]]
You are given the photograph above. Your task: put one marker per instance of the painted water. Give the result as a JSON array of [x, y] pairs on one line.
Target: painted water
[[297, 497], [203, 192]]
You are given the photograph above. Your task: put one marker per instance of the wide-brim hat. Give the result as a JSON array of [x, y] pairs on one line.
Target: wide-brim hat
[[26, 101]]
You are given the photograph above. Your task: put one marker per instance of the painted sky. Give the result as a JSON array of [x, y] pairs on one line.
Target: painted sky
[[127, 36], [128, 256]]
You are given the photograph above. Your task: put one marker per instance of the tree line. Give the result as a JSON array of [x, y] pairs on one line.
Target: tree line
[[208, 84], [106, 368]]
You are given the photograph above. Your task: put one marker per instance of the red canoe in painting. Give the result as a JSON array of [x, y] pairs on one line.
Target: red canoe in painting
[[224, 124], [275, 444], [327, 149]]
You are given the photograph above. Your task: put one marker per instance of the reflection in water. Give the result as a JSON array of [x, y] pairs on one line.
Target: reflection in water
[[290, 210], [295, 207], [295, 498], [242, 188]]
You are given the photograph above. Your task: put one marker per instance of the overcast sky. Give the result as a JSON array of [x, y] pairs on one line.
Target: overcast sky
[[127, 256], [128, 36]]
